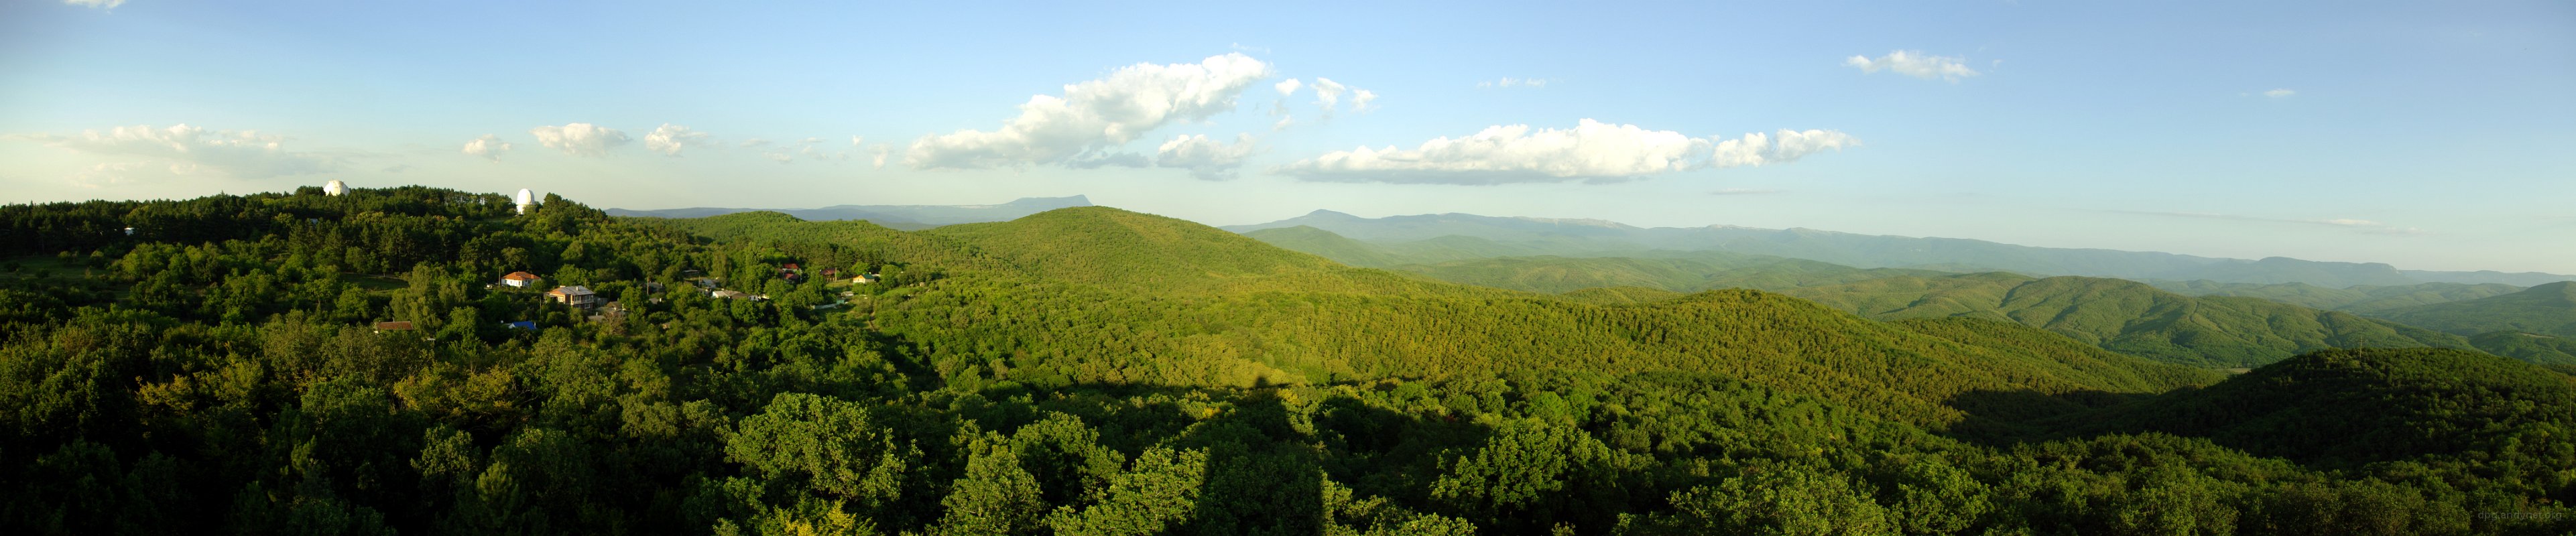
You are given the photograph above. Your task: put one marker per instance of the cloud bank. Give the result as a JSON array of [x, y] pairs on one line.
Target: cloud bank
[[1094, 116], [580, 139], [1915, 64], [1591, 151], [245, 154]]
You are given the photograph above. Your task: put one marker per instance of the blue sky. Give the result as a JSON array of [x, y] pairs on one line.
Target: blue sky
[[2425, 135]]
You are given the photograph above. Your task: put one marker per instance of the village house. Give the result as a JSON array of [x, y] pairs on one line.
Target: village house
[[728, 294], [520, 279], [576, 296]]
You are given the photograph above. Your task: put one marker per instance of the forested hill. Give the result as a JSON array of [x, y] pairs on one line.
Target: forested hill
[[2128, 317], [1103, 295], [1520, 237], [2542, 310], [2364, 299], [315, 364], [2356, 407]]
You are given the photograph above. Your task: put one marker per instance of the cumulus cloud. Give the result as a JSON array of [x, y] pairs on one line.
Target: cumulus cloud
[[1205, 158], [877, 155], [1915, 64], [1287, 87], [1096, 115], [580, 139], [244, 154], [2279, 93], [1592, 151], [101, 4], [488, 147], [670, 139]]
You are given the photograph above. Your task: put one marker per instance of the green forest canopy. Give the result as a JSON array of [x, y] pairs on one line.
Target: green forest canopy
[[1095, 371]]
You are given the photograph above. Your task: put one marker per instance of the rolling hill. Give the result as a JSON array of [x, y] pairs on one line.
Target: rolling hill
[[1598, 238], [1100, 295], [2545, 310], [2363, 299], [2351, 407], [2127, 316]]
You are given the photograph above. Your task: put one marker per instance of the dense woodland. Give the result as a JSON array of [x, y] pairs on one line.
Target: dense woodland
[[221, 368]]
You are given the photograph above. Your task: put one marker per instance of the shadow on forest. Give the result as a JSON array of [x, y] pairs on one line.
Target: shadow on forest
[[1269, 449], [1998, 418]]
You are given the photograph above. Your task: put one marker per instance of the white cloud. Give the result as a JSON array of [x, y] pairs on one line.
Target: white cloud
[[1591, 151], [877, 155], [1284, 123], [101, 4], [1360, 99], [754, 142], [856, 142], [1915, 64], [1287, 87], [1205, 158], [1096, 115], [580, 139], [670, 139], [1328, 93], [2279, 93], [244, 154], [488, 147], [1513, 82]]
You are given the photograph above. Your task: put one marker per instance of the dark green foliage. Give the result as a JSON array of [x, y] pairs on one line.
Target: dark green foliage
[[1094, 371]]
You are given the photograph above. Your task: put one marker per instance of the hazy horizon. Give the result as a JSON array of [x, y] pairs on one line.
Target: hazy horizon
[[2421, 136]]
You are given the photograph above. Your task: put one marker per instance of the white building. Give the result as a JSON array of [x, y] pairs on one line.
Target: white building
[[335, 188], [527, 200]]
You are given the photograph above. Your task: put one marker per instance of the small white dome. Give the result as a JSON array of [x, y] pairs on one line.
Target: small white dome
[[335, 188], [526, 197]]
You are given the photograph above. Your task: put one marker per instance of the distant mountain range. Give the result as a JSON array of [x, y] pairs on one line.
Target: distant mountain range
[[1510, 236], [906, 217]]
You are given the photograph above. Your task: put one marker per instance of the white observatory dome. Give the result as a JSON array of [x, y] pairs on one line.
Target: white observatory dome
[[526, 199], [335, 188]]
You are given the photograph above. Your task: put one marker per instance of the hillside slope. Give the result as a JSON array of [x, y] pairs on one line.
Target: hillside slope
[[2348, 407], [1099, 295], [2127, 316], [2363, 299], [2546, 310]]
